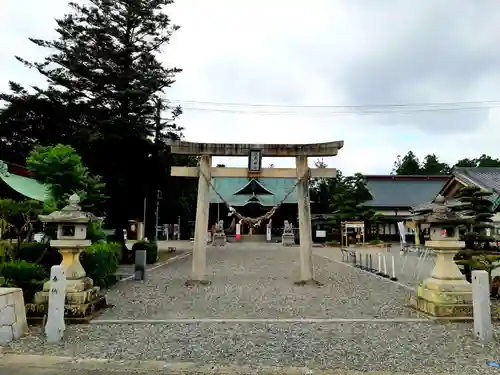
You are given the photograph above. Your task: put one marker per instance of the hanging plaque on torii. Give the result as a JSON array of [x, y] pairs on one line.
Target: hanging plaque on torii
[[254, 162]]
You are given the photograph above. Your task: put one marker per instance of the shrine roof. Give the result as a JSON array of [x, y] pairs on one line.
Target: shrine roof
[[228, 187], [403, 191], [26, 186]]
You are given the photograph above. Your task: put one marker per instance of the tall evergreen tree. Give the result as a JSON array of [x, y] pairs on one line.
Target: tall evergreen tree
[[433, 166], [484, 161], [348, 197], [103, 78], [408, 165], [321, 189]]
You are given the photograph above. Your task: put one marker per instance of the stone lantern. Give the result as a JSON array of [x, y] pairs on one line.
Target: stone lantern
[[72, 222], [446, 293]]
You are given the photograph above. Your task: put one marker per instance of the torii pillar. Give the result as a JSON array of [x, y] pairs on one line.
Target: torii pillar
[[254, 152]]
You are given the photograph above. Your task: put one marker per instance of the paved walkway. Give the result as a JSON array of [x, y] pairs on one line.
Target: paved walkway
[[256, 283]]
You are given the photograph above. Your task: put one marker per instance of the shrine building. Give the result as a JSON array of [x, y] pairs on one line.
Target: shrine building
[[253, 197]]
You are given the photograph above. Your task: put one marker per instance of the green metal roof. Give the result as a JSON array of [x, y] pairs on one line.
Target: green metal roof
[[25, 186], [227, 187]]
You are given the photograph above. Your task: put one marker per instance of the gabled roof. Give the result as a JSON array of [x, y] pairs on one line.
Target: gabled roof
[[402, 191], [278, 187], [253, 187], [253, 199], [28, 187], [484, 178]]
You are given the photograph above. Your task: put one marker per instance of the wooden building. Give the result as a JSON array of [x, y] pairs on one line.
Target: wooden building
[[393, 197]]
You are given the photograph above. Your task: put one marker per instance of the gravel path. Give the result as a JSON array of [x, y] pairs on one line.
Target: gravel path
[[412, 348], [257, 282]]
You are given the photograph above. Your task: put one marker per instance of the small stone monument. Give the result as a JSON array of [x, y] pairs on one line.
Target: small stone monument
[[288, 237], [54, 329], [219, 238], [82, 297], [446, 293], [140, 265]]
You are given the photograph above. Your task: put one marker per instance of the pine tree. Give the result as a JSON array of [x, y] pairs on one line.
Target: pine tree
[[478, 213], [103, 79], [348, 196]]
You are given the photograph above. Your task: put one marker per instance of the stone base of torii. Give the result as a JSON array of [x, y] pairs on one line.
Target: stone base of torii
[[205, 172]]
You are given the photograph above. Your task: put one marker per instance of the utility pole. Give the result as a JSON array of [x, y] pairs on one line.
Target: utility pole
[[156, 164]]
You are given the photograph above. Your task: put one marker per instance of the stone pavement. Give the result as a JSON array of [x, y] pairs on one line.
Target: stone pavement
[[357, 322]]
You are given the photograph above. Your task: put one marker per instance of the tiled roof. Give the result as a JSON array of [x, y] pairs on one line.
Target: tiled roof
[[227, 187], [403, 191], [428, 205], [486, 178]]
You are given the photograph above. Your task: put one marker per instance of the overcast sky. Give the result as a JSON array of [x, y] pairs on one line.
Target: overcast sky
[[317, 53]]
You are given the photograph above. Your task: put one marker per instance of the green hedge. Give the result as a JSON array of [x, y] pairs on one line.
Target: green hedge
[[151, 250], [21, 274], [100, 262]]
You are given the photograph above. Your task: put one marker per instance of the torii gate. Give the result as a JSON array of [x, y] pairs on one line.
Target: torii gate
[[205, 172]]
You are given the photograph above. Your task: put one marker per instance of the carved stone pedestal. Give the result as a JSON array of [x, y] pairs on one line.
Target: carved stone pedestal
[[288, 239], [219, 239], [82, 297], [446, 294]]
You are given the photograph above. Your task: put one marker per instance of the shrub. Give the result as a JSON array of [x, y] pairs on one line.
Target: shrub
[[5, 248], [40, 253], [100, 262], [27, 276], [151, 250], [95, 233], [375, 242]]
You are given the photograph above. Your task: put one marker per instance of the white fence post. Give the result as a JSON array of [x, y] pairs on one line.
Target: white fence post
[[483, 329]]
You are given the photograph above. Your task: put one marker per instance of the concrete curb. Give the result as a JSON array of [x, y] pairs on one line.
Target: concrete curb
[[30, 363], [261, 321]]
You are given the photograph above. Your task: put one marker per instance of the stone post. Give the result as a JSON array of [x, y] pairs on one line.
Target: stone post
[[201, 224], [306, 266], [54, 329], [483, 328]]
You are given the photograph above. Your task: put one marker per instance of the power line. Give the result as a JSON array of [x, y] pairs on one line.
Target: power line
[[463, 104], [401, 111]]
